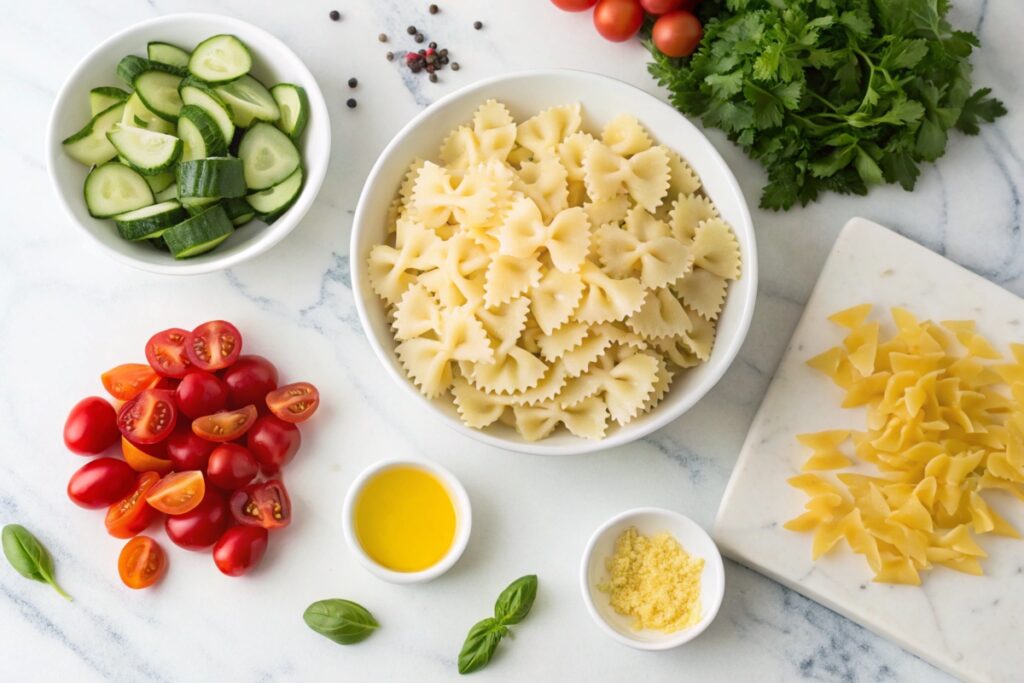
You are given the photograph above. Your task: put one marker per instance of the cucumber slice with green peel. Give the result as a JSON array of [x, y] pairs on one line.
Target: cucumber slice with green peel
[[203, 96], [160, 182], [199, 234], [159, 243], [249, 100], [165, 53], [238, 210], [269, 156], [294, 107], [200, 134], [196, 205], [146, 151], [131, 66], [214, 177], [149, 221], [220, 59], [271, 203], [158, 90], [90, 145], [138, 115], [114, 188], [103, 98], [168, 193]]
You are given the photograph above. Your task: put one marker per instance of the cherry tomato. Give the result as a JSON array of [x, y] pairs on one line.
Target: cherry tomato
[[214, 345], [150, 458], [149, 417], [265, 504], [165, 352], [201, 393], [240, 549], [231, 467], [142, 562], [226, 425], [274, 442], [574, 5], [186, 451], [201, 526], [294, 402], [177, 492], [677, 34], [132, 514], [91, 426], [100, 482], [618, 20], [249, 380], [657, 7], [127, 381]]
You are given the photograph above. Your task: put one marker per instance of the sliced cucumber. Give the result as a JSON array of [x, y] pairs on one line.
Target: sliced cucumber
[[132, 65], [168, 193], [146, 151], [203, 96], [159, 243], [249, 100], [165, 53], [101, 99], [196, 205], [138, 115], [200, 233], [90, 145], [200, 134], [158, 90], [160, 182], [238, 210], [114, 188], [220, 59], [294, 106], [149, 221], [213, 177], [269, 156], [271, 203]]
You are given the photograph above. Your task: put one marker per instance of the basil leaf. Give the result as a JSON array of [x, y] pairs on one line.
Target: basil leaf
[[28, 556], [343, 621], [481, 642], [515, 602]]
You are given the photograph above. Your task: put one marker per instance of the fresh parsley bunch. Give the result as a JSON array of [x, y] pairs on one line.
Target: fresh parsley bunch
[[832, 95]]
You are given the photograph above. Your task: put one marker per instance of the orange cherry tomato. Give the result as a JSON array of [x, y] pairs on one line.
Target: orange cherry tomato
[[141, 563], [127, 381], [226, 425], [141, 461], [132, 514], [178, 492], [294, 402]]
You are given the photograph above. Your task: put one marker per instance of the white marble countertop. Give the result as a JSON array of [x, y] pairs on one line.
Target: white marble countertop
[[69, 313]]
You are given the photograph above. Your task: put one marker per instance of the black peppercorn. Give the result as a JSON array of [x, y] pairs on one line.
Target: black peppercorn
[[430, 68], [411, 30], [433, 9], [352, 82], [418, 37], [351, 102], [443, 60], [335, 15], [433, 78], [383, 37], [478, 25], [432, 45], [455, 66], [390, 56], [443, 52]]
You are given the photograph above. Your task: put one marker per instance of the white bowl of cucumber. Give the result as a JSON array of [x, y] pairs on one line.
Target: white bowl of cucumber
[[188, 143]]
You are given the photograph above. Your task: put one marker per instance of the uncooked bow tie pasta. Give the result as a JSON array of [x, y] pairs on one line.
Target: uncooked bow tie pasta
[[546, 276]]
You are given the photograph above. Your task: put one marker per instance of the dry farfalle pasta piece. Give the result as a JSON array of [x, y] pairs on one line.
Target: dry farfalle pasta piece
[[643, 248], [427, 360], [554, 299], [643, 176], [624, 135], [661, 316], [606, 299], [460, 267], [716, 250], [542, 133], [624, 384], [546, 183], [688, 211], [703, 291], [393, 269], [566, 238], [437, 198]]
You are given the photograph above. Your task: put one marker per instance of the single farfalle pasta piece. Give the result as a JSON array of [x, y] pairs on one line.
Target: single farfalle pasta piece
[[542, 133], [460, 337], [476, 407], [605, 298], [688, 211], [644, 176], [570, 153], [703, 291], [643, 248], [660, 316], [624, 135], [566, 238], [510, 276], [393, 269], [460, 269], [546, 183], [624, 384], [716, 250], [437, 198], [587, 419], [490, 138], [554, 299]]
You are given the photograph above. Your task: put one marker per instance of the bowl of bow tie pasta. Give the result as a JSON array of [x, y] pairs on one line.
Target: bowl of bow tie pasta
[[553, 262]]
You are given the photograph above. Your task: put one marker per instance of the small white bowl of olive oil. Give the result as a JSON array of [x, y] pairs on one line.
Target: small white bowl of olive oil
[[407, 521]]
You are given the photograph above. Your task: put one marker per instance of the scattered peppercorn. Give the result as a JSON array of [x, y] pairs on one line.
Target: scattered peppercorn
[[433, 78], [383, 37], [455, 66], [444, 52], [478, 25], [411, 30], [433, 9], [432, 45], [418, 37], [352, 82], [351, 102], [390, 56], [335, 15]]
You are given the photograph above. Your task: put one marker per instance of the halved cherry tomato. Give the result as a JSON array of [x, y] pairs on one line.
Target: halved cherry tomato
[[91, 426], [240, 549], [201, 526], [187, 451], [132, 514], [127, 381], [294, 402], [274, 442], [165, 352], [618, 20], [177, 492], [226, 425], [201, 393], [265, 504], [141, 460], [249, 380], [149, 417], [231, 467], [214, 345], [141, 563], [100, 482]]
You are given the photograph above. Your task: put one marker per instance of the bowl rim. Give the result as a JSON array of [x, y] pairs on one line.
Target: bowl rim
[[657, 420], [272, 234], [463, 512], [670, 640]]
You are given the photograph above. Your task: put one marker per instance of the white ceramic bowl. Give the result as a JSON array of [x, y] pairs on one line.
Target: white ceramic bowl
[[463, 520], [650, 521], [603, 98], [273, 62]]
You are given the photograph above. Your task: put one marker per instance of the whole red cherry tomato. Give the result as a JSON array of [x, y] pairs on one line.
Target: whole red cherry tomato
[[149, 417], [240, 549], [226, 425], [132, 514], [274, 442], [574, 5], [677, 34], [294, 402], [214, 345], [618, 20], [91, 426], [201, 393], [201, 526], [231, 467], [657, 7], [142, 562], [249, 380], [101, 482], [265, 504], [186, 451], [165, 352]]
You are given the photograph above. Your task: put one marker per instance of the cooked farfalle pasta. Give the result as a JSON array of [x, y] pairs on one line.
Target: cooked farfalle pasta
[[944, 426], [548, 277]]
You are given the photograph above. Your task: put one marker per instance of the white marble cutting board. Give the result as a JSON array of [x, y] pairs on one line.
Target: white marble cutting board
[[970, 626]]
